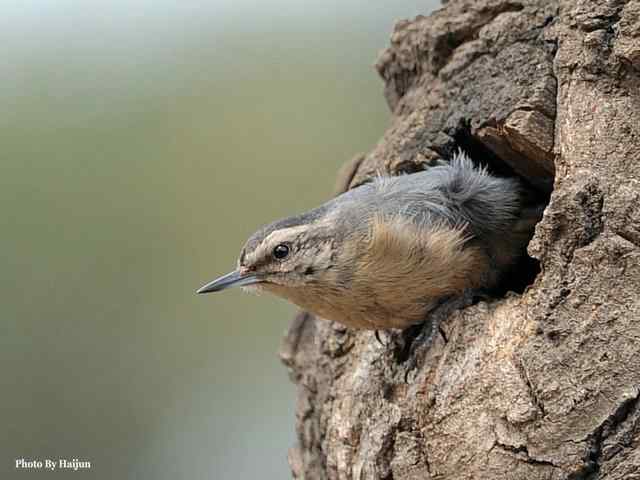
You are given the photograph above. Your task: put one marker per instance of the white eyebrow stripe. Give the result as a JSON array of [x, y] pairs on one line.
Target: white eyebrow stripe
[[283, 235]]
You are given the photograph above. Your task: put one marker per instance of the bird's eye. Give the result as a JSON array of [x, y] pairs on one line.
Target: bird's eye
[[281, 251]]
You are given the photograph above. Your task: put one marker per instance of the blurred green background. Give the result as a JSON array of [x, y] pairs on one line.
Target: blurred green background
[[142, 142]]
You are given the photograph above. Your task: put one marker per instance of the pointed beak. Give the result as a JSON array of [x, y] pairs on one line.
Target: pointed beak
[[233, 279]]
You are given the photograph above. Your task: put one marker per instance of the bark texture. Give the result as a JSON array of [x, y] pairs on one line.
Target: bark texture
[[539, 385]]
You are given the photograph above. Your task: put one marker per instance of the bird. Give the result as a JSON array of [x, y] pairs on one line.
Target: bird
[[386, 253]]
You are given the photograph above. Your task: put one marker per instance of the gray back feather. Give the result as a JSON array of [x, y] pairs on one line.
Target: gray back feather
[[458, 194]]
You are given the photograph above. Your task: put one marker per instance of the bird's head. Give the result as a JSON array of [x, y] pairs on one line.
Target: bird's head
[[284, 258]]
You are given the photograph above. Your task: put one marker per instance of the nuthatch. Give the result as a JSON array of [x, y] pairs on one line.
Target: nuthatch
[[387, 252]]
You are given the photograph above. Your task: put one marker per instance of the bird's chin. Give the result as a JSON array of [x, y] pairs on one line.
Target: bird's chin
[[269, 287]]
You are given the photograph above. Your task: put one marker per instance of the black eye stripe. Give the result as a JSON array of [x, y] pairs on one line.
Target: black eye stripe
[[281, 251]]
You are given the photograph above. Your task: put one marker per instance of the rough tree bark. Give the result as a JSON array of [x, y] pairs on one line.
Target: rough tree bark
[[538, 385]]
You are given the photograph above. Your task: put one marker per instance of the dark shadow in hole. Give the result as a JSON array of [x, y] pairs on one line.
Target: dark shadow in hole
[[517, 278]]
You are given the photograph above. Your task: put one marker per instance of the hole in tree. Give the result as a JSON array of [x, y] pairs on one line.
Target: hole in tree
[[537, 196]]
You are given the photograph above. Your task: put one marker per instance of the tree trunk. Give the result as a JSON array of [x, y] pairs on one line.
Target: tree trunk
[[541, 384]]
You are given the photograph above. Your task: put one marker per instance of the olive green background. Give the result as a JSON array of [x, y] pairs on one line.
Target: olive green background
[[141, 143]]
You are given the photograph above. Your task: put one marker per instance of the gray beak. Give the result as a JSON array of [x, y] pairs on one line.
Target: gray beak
[[233, 279]]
